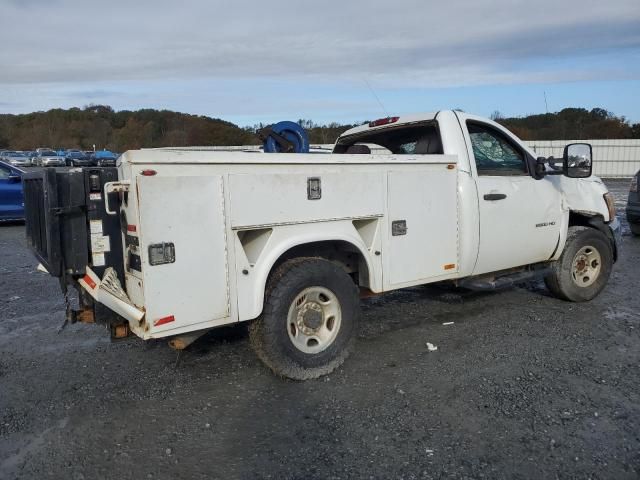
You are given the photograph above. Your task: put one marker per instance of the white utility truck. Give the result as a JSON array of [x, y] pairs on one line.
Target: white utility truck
[[176, 242]]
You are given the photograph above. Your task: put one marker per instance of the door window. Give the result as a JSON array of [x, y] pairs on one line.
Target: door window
[[494, 153], [4, 173]]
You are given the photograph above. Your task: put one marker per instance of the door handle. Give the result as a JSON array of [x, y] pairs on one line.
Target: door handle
[[494, 196]]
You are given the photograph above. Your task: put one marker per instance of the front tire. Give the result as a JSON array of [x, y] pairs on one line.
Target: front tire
[[635, 228], [310, 319], [583, 269]]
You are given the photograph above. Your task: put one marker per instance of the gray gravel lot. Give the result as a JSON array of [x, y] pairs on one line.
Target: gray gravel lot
[[522, 386]]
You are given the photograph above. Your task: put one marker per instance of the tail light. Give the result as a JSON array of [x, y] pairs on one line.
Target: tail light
[[634, 184]]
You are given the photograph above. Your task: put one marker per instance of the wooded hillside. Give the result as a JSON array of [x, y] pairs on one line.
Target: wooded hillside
[[116, 131], [119, 131], [570, 124]]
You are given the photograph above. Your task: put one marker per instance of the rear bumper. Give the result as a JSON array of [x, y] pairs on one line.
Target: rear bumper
[[109, 292]]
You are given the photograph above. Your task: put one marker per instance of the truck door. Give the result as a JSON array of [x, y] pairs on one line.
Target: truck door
[[520, 217]]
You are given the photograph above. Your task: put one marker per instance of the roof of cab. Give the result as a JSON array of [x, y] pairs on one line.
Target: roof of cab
[[402, 120]]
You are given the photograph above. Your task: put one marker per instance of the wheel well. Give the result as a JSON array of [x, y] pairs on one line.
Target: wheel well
[[340, 252], [579, 219]]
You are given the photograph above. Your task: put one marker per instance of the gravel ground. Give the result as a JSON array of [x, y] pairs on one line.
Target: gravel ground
[[521, 386]]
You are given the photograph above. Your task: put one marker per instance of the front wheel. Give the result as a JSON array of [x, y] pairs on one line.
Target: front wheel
[[635, 228], [309, 322], [583, 269]]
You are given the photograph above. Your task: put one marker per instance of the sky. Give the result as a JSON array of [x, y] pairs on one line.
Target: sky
[[251, 61]]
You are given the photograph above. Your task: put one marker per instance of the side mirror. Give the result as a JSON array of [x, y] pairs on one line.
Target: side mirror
[[13, 179], [577, 160], [540, 167]]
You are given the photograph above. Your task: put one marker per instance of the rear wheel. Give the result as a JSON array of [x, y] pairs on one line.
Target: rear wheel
[[584, 267], [310, 318]]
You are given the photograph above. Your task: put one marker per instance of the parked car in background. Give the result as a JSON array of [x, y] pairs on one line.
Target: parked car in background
[[103, 158], [11, 198], [77, 158], [17, 159], [29, 154], [48, 158], [633, 205]]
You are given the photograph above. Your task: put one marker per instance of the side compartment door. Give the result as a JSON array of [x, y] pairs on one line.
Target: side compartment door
[[423, 225], [520, 217], [188, 212]]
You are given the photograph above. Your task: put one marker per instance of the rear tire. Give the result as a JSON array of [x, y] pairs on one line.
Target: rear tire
[[635, 228], [310, 319], [583, 269]]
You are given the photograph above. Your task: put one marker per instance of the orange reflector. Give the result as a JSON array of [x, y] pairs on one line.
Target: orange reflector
[[131, 228], [450, 266], [451, 166], [163, 320], [148, 173], [89, 281]]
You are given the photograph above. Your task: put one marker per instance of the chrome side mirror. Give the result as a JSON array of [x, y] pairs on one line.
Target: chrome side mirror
[[577, 161]]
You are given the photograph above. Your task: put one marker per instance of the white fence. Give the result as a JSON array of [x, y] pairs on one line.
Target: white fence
[[611, 158]]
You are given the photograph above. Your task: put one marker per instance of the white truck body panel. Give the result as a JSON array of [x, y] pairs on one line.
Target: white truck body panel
[[266, 214], [427, 200], [202, 246]]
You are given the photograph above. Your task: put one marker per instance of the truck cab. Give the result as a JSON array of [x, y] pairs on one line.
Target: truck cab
[[513, 208]]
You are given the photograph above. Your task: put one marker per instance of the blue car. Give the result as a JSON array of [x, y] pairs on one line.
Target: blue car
[[11, 199], [103, 158]]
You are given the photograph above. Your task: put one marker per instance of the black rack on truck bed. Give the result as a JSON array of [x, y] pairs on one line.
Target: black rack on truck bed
[[68, 228]]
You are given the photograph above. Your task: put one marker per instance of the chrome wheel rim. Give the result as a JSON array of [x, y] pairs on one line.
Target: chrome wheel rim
[[586, 266], [314, 319]]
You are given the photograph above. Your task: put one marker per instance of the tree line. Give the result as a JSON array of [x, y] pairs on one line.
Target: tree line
[[102, 126], [570, 124]]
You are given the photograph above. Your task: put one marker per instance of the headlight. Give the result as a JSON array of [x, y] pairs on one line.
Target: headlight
[[611, 205]]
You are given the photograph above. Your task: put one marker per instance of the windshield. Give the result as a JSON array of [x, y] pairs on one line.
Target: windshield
[[48, 153]]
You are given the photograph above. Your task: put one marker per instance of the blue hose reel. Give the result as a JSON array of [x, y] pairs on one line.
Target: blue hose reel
[[284, 137]]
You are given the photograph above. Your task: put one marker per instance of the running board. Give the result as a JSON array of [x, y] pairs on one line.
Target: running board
[[485, 282]]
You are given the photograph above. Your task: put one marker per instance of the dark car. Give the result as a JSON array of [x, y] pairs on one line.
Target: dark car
[[11, 199], [633, 205], [103, 158], [77, 158]]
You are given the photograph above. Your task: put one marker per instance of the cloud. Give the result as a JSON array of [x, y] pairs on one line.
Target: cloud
[[246, 58], [483, 42]]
